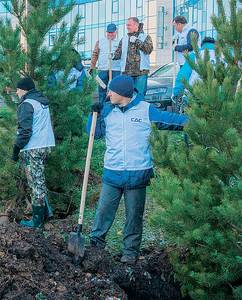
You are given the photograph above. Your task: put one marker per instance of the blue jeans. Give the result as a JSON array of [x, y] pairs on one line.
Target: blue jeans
[[140, 83], [109, 200], [104, 75]]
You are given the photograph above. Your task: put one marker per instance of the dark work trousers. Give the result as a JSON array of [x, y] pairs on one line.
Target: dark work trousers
[[109, 200]]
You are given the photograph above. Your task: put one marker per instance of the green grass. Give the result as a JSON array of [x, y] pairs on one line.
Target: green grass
[[151, 235]]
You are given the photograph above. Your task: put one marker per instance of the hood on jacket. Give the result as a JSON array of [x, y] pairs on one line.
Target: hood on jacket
[[35, 95]]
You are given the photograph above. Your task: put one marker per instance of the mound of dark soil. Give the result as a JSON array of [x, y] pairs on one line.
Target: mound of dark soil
[[34, 264]]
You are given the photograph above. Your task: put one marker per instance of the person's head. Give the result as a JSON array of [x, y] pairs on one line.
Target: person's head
[[121, 90], [208, 39], [111, 31], [75, 56], [179, 22], [132, 25], [24, 85], [76, 59]]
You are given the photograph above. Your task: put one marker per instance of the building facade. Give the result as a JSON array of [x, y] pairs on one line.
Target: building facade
[[157, 16], [96, 15]]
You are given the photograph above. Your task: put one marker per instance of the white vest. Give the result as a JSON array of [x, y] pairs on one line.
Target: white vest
[[144, 58], [194, 76], [42, 132], [182, 40], [103, 59]]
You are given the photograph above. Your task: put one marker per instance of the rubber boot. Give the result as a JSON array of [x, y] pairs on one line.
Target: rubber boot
[[48, 210], [38, 214]]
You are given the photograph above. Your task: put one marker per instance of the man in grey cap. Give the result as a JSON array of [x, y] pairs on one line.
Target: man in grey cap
[[102, 54]]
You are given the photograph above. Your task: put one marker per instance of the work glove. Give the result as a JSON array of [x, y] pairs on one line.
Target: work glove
[[133, 39], [15, 155], [96, 107], [90, 71]]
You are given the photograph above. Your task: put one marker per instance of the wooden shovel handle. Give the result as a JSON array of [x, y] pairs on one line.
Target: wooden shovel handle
[[110, 60], [87, 168]]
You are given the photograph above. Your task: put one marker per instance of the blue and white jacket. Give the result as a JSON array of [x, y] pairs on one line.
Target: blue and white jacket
[[187, 73], [184, 42], [76, 77], [128, 161]]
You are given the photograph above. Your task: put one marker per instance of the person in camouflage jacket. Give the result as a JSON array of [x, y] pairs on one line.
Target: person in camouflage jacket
[[134, 51]]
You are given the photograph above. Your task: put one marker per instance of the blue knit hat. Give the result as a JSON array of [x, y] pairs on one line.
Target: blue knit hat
[[122, 85]]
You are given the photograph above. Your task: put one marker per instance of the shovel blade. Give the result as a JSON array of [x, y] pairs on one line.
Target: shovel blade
[[76, 245]]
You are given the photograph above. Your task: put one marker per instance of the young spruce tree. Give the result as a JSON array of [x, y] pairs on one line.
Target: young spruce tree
[[68, 107], [200, 190]]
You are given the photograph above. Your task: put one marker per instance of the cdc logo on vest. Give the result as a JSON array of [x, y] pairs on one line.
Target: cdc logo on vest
[[136, 120]]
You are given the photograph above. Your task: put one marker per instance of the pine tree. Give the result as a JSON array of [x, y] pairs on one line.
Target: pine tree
[[199, 190], [68, 107]]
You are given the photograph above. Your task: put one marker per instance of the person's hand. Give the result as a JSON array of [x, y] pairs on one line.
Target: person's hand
[[90, 71], [15, 155], [96, 107], [133, 39]]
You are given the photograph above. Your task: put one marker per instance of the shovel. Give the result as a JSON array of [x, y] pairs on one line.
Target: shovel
[[76, 241]]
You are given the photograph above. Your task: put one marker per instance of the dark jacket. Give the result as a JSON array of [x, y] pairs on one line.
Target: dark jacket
[[34, 124]]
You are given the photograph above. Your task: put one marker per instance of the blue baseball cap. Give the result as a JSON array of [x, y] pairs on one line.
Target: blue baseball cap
[[111, 27]]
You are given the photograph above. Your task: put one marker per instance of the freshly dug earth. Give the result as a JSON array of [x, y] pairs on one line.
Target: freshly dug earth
[[34, 264]]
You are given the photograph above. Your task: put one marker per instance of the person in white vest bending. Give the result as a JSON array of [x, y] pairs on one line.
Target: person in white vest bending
[[184, 38], [102, 54], [134, 51]]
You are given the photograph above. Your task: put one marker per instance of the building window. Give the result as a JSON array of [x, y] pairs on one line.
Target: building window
[[115, 6], [81, 37], [194, 14], [161, 27], [183, 10], [139, 3], [82, 11]]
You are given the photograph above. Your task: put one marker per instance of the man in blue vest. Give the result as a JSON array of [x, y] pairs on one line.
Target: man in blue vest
[[184, 38], [125, 122], [134, 51], [34, 140]]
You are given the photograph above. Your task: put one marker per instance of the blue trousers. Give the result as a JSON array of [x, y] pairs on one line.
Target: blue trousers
[[109, 200], [104, 75]]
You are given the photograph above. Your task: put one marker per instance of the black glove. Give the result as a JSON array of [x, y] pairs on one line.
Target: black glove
[[16, 151], [175, 99], [90, 71], [96, 107]]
